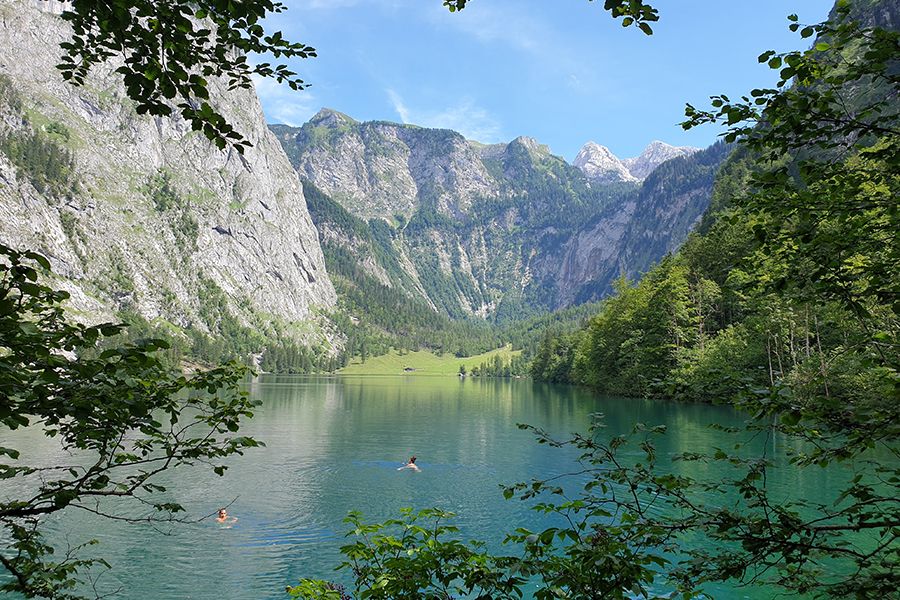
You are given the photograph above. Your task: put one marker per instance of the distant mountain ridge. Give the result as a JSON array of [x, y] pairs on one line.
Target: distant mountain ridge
[[494, 231], [144, 217], [600, 165]]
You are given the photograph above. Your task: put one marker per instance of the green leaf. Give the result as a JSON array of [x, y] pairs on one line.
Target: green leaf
[[10, 452]]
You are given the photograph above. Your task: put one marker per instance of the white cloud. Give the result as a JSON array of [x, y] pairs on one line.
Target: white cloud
[[281, 104], [548, 50], [323, 5], [399, 106], [509, 27], [473, 121]]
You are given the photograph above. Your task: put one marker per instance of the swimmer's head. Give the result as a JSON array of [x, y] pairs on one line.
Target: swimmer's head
[[222, 512], [412, 459]]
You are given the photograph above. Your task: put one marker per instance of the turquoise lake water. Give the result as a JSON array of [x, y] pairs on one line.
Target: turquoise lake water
[[333, 444]]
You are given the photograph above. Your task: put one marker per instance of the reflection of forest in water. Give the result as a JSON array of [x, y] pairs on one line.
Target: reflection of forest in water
[[333, 445]]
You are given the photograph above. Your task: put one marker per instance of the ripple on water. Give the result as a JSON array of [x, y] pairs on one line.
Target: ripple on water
[[334, 445]]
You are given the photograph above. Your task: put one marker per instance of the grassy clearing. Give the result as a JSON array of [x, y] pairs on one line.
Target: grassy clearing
[[424, 363]]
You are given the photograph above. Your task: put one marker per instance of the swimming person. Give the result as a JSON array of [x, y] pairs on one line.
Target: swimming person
[[410, 465], [224, 519]]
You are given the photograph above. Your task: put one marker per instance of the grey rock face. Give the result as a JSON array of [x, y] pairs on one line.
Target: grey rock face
[[380, 170], [627, 239], [235, 226], [594, 254], [600, 165], [491, 231], [460, 212], [655, 154]]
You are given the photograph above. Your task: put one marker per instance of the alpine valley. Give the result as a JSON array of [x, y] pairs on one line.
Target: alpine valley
[[420, 231], [496, 232], [220, 336]]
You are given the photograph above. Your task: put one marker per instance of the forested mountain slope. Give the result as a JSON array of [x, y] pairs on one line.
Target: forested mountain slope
[[791, 280], [488, 231], [785, 303]]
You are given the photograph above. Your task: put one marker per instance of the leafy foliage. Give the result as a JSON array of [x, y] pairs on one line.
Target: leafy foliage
[[835, 95], [633, 496], [286, 357], [786, 306], [497, 367], [171, 49], [632, 12], [124, 416], [413, 557], [555, 356]]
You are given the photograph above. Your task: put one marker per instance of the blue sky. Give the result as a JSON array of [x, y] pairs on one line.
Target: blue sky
[[561, 71]]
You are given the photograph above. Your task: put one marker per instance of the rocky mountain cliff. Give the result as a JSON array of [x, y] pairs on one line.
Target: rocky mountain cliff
[[459, 224], [143, 214], [655, 154], [652, 222], [494, 231], [600, 165]]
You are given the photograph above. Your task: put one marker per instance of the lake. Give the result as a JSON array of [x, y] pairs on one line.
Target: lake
[[333, 444]]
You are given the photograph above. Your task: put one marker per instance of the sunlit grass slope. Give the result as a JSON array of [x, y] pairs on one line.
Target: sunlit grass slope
[[424, 363]]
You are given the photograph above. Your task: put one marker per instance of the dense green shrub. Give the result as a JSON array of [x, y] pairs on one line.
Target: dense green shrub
[[48, 166]]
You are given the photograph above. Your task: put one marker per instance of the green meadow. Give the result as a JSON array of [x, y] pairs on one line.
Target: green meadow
[[423, 363]]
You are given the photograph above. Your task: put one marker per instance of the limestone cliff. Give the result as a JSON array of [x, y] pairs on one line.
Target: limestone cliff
[[628, 239], [494, 231], [148, 215], [600, 165], [655, 154]]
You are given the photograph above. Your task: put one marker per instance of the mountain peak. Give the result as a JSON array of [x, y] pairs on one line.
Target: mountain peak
[[600, 165], [593, 148], [655, 154], [531, 144], [330, 118], [657, 145]]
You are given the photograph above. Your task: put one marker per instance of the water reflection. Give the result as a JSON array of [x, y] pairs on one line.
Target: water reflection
[[333, 445]]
